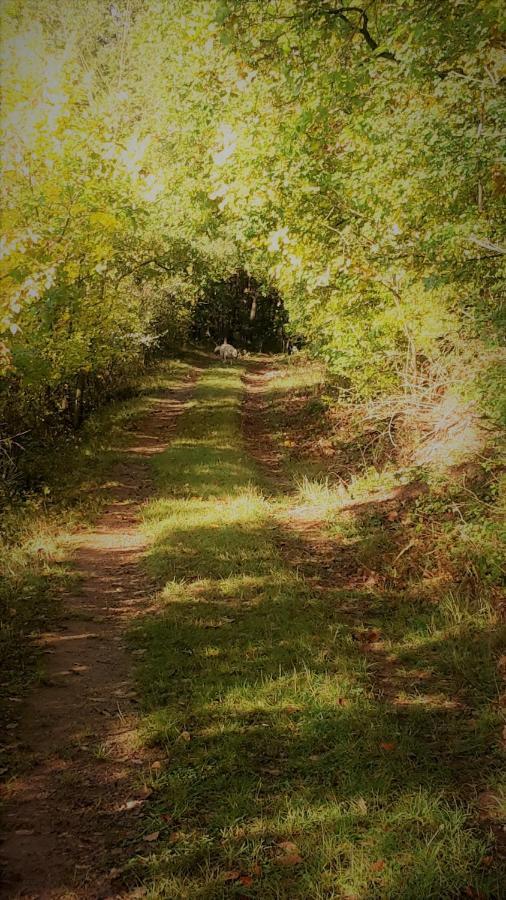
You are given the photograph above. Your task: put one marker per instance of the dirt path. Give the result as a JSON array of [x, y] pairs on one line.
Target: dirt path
[[67, 823], [256, 431]]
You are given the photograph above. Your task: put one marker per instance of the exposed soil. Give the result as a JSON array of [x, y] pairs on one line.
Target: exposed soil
[[68, 820], [260, 445]]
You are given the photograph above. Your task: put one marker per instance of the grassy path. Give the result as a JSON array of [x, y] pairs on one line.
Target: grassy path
[[264, 754], [280, 774]]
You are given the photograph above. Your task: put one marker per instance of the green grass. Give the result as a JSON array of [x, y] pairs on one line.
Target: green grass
[[73, 481], [262, 706]]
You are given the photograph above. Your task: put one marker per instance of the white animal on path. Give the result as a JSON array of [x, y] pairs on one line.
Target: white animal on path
[[226, 351]]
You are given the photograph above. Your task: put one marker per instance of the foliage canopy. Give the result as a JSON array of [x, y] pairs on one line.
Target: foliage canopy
[[345, 156]]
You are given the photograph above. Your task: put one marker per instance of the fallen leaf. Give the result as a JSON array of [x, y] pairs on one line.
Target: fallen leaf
[[372, 580], [366, 637], [156, 766], [152, 837], [257, 870], [233, 875], [372, 635], [488, 801], [24, 831], [166, 817], [487, 860], [393, 515], [343, 701], [378, 866], [131, 804], [246, 880], [289, 846], [78, 669], [185, 736], [387, 745]]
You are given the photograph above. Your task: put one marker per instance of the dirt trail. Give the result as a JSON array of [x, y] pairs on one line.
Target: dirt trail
[[256, 432], [66, 825]]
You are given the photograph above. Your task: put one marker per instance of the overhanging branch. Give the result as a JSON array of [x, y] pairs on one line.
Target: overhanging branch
[[147, 262], [363, 28]]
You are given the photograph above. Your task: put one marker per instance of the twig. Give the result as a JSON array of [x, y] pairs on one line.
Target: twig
[[404, 550], [486, 244]]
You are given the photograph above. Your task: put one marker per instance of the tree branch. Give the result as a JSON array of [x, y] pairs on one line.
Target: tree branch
[[146, 262], [485, 244], [363, 28]]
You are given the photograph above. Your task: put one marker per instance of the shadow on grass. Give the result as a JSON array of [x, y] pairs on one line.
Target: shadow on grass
[[261, 702], [30, 599]]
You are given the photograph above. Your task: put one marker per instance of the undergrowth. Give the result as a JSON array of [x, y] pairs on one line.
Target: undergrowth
[[442, 509]]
